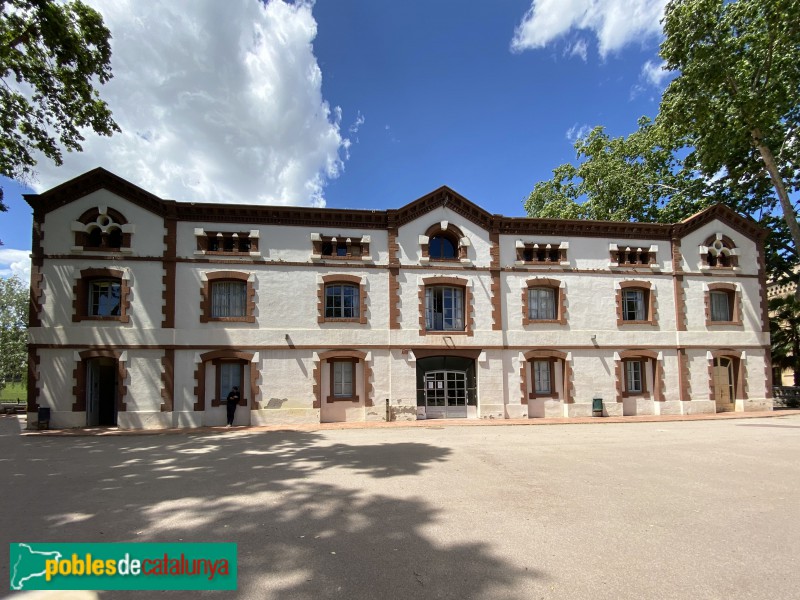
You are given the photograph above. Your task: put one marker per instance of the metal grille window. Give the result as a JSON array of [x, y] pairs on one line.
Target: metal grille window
[[342, 301], [541, 377], [541, 304], [343, 379], [444, 308], [633, 376], [228, 299], [720, 306], [104, 298], [633, 305]]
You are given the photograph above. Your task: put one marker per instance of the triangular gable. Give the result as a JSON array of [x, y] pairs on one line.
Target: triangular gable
[[744, 225], [92, 181], [444, 197]]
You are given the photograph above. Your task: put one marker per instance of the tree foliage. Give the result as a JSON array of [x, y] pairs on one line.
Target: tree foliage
[[52, 56], [785, 334], [726, 131], [13, 329]]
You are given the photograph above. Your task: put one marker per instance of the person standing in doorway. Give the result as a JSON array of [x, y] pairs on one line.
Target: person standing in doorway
[[233, 401]]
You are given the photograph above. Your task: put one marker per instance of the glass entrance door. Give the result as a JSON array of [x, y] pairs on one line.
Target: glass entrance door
[[445, 394]]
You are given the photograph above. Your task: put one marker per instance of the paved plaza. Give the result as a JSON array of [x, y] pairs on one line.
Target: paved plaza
[[699, 509]]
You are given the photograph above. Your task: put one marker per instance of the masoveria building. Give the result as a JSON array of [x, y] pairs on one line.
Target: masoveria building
[[145, 312]]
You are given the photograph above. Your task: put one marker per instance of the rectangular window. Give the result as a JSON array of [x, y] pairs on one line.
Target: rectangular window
[[541, 304], [230, 374], [104, 299], [541, 377], [633, 305], [343, 379], [342, 301], [444, 308], [720, 306], [228, 299], [633, 376]]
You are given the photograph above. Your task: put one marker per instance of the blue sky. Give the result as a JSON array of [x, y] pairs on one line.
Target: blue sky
[[357, 103]]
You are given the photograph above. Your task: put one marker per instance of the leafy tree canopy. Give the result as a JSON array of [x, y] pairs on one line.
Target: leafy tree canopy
[[13, 328], [52, 55], [727, 130]]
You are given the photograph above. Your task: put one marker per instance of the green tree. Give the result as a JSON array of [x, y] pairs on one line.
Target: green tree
[[13, 329], [736, 101], [52, 55], [785, 334], [727, 130]]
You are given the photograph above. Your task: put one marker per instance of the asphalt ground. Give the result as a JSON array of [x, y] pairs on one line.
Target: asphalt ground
[[663, 509]]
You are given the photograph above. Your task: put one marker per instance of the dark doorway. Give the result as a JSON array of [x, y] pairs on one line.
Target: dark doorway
[[446, 386], [101, 392]]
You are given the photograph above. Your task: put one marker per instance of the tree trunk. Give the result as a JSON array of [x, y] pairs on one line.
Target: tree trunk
[[783, 196]]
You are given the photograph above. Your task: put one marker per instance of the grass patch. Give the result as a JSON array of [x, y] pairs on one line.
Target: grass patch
[[12, 391]]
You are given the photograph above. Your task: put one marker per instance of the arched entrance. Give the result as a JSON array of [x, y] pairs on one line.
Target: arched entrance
[[446, 387]]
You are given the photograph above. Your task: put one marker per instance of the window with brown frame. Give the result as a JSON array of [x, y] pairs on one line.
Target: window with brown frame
[[445, 306], [543, 372], [342, 380], [543, 301], [635, 377], [227, 296], [636, 303], [342, 299], [723, 304], [443, 244], [101, 295], [229, 373]]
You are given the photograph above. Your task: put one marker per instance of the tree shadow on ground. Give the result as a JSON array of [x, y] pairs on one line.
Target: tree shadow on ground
[[298, 506]]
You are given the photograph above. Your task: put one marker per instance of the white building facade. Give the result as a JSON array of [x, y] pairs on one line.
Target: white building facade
[[145, 312]]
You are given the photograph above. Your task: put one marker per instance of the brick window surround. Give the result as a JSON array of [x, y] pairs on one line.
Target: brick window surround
[[227, 243], [102, 229], [541, 253], [449, 232], [206, 298], [651, 316], [623, 255], [354, 356], [342, 279], [734, 303], [352, 362], [739, 373], [341, 247], [651, 366], [719, 252], [79, 375], [81, 292], [553, 357], [559, 300], [457, 282], [215, 358]]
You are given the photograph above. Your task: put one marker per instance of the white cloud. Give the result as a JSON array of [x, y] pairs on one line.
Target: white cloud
[[616, 23], [577, 131], [217, 102], [15, 262], [579, 49], [360, 120], [654, 73]]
